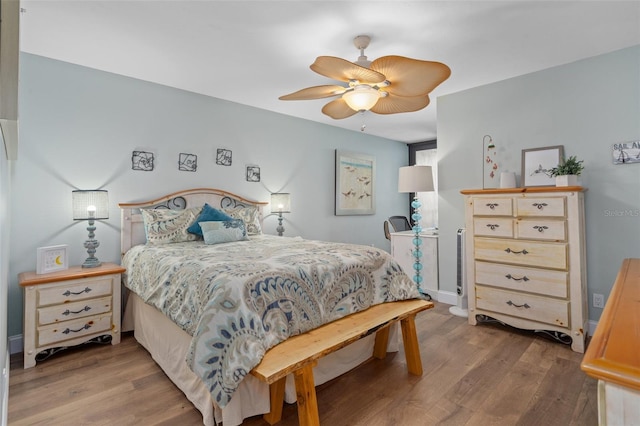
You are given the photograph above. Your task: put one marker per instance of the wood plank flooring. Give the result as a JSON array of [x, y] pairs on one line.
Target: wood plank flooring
[[482, 375]]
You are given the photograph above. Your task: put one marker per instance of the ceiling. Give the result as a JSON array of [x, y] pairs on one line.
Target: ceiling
[[252, 52]]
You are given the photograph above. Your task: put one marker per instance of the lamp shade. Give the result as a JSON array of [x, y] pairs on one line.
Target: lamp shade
[[362, 98], [281, 202], [415, 179], [92, 204]]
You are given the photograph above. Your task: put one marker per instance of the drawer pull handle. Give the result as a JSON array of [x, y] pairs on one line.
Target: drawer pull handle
[[540, 206], [84, 327], [511, 277], [524, 305], [68, 293], [68, 312], [492, 205], [540, 228], [523, 251], [493, 226]]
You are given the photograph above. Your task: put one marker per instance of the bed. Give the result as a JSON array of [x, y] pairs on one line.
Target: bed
[[208, 307]]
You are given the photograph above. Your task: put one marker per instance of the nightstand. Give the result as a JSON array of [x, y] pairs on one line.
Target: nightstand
[[67, 308]]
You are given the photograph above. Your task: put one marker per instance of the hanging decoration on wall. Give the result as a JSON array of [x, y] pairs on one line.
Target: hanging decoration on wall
[[626, 153], [253, 174], [488, 159], [188, 162], [142, 160], [223, 157]]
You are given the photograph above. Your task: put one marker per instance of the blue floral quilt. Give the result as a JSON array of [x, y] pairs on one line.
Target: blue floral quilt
[[239, 299]]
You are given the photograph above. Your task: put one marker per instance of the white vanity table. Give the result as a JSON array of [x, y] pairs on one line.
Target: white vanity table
[[401, 250]]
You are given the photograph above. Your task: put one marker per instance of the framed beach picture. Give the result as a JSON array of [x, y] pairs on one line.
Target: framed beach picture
[[355, 183], [537, 163]]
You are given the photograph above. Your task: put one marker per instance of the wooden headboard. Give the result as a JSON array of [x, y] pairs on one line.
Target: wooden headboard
[[132, 225]]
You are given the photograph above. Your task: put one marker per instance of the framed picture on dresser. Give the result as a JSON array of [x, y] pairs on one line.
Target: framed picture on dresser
[[537, 163]]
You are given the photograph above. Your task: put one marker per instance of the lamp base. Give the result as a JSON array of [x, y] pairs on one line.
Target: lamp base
[[280, 228], [91, 262]]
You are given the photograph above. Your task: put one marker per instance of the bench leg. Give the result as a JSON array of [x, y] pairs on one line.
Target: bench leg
[[276, 394], [382, 340], [411, 347], [306, 393]]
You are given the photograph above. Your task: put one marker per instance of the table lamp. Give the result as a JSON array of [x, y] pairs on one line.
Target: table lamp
[[90, 205]]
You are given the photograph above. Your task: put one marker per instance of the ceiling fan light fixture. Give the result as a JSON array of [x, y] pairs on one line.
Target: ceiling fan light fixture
[[362, 98]]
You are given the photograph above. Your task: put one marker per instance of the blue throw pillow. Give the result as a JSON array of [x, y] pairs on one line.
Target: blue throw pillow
[[208, 214], [224, 231]]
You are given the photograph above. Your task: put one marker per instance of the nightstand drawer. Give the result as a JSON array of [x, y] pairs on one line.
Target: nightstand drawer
[[551, 206], [541, 229], [493, 227], [522, 252], [68, 311], [537, 308], [75, 290], [72, 329], [492, 207], [518, 278]]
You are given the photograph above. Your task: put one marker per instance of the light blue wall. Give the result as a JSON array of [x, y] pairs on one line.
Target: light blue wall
[[4, 272], [78, 128], [586, 106]]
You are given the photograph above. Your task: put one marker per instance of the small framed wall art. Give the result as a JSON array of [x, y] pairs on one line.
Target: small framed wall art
[[51, 259], [537, 163], [355, 183]]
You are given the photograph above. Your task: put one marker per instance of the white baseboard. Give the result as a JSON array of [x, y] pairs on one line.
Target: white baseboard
[[447, 297], [15, 344]]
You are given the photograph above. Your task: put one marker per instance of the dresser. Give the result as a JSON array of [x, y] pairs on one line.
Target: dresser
[[613, 356], [402, 248], [66, 308], [526, 260]]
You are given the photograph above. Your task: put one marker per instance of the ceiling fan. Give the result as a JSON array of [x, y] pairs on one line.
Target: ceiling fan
[[388, 85]]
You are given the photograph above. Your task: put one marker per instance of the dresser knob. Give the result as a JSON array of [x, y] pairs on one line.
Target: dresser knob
[[540, 228], [524, 305], [511, 277]]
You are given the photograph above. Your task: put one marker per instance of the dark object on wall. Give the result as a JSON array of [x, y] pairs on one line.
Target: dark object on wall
[[142, 160], [253, 174], [188, 162], [399, 223], [223, 157]]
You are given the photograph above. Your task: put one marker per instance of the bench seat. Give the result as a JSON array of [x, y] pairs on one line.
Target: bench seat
[[299, 354]]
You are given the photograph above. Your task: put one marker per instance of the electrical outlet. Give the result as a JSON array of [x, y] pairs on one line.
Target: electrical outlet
[[598, 300]]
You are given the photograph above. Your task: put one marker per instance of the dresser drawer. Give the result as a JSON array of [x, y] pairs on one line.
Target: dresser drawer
[[75, 290], [493, 227], [548, 206], [532, 280], [72, 329], [492, 207], [541, 229], [537, 308], [527, 253], [67, 311]]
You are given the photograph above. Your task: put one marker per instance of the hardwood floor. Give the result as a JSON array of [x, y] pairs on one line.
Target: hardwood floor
[[483, 375]]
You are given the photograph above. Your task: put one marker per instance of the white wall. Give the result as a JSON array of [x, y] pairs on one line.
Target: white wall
[[586, 106], [4, 276], [79, 127]]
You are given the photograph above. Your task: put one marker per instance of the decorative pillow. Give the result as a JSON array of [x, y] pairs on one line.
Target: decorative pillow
[[223, 231], [164, 226], [250, 217], [208, 214]]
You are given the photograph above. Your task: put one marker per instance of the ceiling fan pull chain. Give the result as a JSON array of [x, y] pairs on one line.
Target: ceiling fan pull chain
[[363, 126]]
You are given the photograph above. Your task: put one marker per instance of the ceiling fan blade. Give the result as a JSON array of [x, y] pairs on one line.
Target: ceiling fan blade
[[315, 92], [393, 104], [338, 109], [411, 77], [343, 70]]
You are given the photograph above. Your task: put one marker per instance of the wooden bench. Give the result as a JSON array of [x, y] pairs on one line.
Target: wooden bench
[[299, 354]]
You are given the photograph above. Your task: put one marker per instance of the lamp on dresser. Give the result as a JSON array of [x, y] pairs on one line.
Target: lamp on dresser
[[280, 203], [416, 179], [90, 205]]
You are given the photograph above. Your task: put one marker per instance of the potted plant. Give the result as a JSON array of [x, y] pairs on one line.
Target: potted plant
[[567, 172]]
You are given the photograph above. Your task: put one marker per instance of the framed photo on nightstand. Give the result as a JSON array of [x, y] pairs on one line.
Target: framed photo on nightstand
[[52, 259]]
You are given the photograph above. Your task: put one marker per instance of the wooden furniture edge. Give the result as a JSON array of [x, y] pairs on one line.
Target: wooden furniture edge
[[601, 360], [215, 191], [529, 189], [74, 272], [303, 348]]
